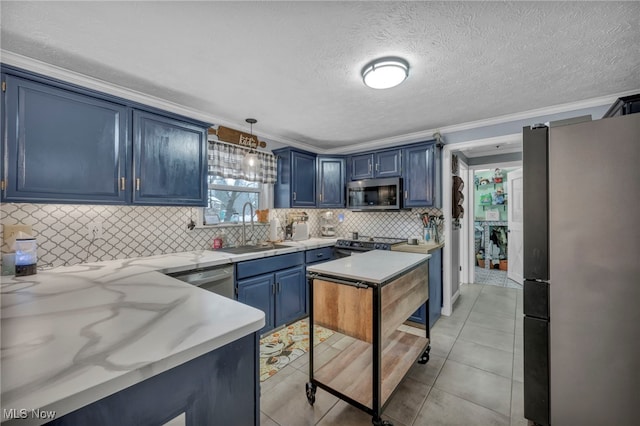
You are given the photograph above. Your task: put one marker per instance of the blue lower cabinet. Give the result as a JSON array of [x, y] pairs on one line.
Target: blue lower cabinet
[[435, 292], [419, 315], [258, 292], [221, 387], [279, 291], [291, 295]]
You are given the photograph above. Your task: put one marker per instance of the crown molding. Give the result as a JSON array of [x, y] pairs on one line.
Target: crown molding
[[73, 77], [428, 134], [89, 82]]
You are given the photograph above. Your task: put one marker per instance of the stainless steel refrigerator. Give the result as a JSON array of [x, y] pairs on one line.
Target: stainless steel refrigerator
[[582, 273]]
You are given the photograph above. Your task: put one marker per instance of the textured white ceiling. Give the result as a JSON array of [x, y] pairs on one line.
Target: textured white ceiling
[[295, 66]]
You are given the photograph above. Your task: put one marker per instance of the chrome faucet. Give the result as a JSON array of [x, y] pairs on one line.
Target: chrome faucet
[[244, 228]]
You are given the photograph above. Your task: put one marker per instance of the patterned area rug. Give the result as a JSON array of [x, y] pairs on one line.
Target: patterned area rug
[[286, 345]]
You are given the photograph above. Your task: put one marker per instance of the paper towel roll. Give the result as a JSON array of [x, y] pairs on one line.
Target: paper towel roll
[[274, 226]]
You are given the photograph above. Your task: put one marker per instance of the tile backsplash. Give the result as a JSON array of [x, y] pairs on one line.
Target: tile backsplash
[[396, 224], [134, 231]]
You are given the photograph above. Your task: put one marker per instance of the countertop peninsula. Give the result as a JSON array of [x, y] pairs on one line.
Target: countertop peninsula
[[73, 335]]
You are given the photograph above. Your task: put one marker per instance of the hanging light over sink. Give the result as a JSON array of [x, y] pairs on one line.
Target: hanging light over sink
[[251, 161]]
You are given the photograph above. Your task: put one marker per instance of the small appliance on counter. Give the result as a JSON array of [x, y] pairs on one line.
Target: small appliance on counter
[[328, 224], [297, 227], [300, 231], [26, 259]]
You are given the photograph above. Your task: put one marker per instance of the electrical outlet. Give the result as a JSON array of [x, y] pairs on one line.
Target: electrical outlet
[[94, 230], [9, 231]]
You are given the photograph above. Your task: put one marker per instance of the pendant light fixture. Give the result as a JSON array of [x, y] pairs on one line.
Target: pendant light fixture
[[385, 73], [251, 162]]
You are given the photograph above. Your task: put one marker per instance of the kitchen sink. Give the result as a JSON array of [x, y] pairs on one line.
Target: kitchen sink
[[251, 249]]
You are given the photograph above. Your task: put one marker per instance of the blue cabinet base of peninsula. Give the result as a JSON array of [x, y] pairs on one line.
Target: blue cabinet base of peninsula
[[435, 292], [217, 388]]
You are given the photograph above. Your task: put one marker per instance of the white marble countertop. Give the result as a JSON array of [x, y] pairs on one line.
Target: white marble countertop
[[375, 266], [73, 335]]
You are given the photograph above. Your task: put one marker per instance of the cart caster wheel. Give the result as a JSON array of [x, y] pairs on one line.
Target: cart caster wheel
[[428, 349], [424, 358], [381, 422], [311, 393]]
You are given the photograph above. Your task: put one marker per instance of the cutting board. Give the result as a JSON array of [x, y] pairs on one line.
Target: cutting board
[[420, 248]]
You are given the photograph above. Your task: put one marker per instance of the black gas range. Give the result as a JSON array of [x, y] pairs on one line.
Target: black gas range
[[364, 243]]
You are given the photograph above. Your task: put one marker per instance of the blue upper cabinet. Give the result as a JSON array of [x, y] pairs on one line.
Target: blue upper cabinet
[[170, 161], [420, 177], [387, 163], [62, 146], [296, 183], [331, 182], [361, 166], [378, 164]]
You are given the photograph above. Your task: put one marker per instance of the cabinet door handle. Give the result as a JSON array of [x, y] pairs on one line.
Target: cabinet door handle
[[321, 196], [277, 287], [294, 196], [377, 166], [405, 195], [369, 162], [122, 184], [273, 287], [137, 184]]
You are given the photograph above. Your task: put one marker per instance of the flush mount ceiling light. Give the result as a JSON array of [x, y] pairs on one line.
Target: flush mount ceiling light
[[385, 73], [251, 162]]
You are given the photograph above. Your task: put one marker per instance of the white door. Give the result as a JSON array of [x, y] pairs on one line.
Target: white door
[[514, 218]]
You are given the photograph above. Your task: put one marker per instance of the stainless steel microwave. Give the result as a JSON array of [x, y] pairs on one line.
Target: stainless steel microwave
[[375, 194]]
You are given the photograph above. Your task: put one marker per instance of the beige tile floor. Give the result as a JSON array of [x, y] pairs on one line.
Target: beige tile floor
[[474, 376]]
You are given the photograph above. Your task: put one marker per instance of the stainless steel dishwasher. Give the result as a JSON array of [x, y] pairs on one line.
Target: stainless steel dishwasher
[[216, 279]]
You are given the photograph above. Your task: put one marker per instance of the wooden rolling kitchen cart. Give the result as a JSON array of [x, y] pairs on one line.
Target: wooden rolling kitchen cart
[[367, 297]]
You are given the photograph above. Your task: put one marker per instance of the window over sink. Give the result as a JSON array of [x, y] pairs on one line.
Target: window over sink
[[230, 187], [227, 196]]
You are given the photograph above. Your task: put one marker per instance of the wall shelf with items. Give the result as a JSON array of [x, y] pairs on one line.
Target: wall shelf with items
[[490, 193], [489, 185]]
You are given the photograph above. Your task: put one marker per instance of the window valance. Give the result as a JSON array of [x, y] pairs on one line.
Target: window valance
[[226, 160]]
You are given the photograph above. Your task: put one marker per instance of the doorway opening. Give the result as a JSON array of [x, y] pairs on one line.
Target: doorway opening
[[490, 194]]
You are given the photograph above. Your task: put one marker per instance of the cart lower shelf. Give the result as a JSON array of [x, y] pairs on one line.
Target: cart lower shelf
[[349, 372]]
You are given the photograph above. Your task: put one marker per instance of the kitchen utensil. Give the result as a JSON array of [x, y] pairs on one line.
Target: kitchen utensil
[[413, 241]]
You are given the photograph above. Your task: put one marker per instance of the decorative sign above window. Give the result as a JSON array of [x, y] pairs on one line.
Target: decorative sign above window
[[237, 137]]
